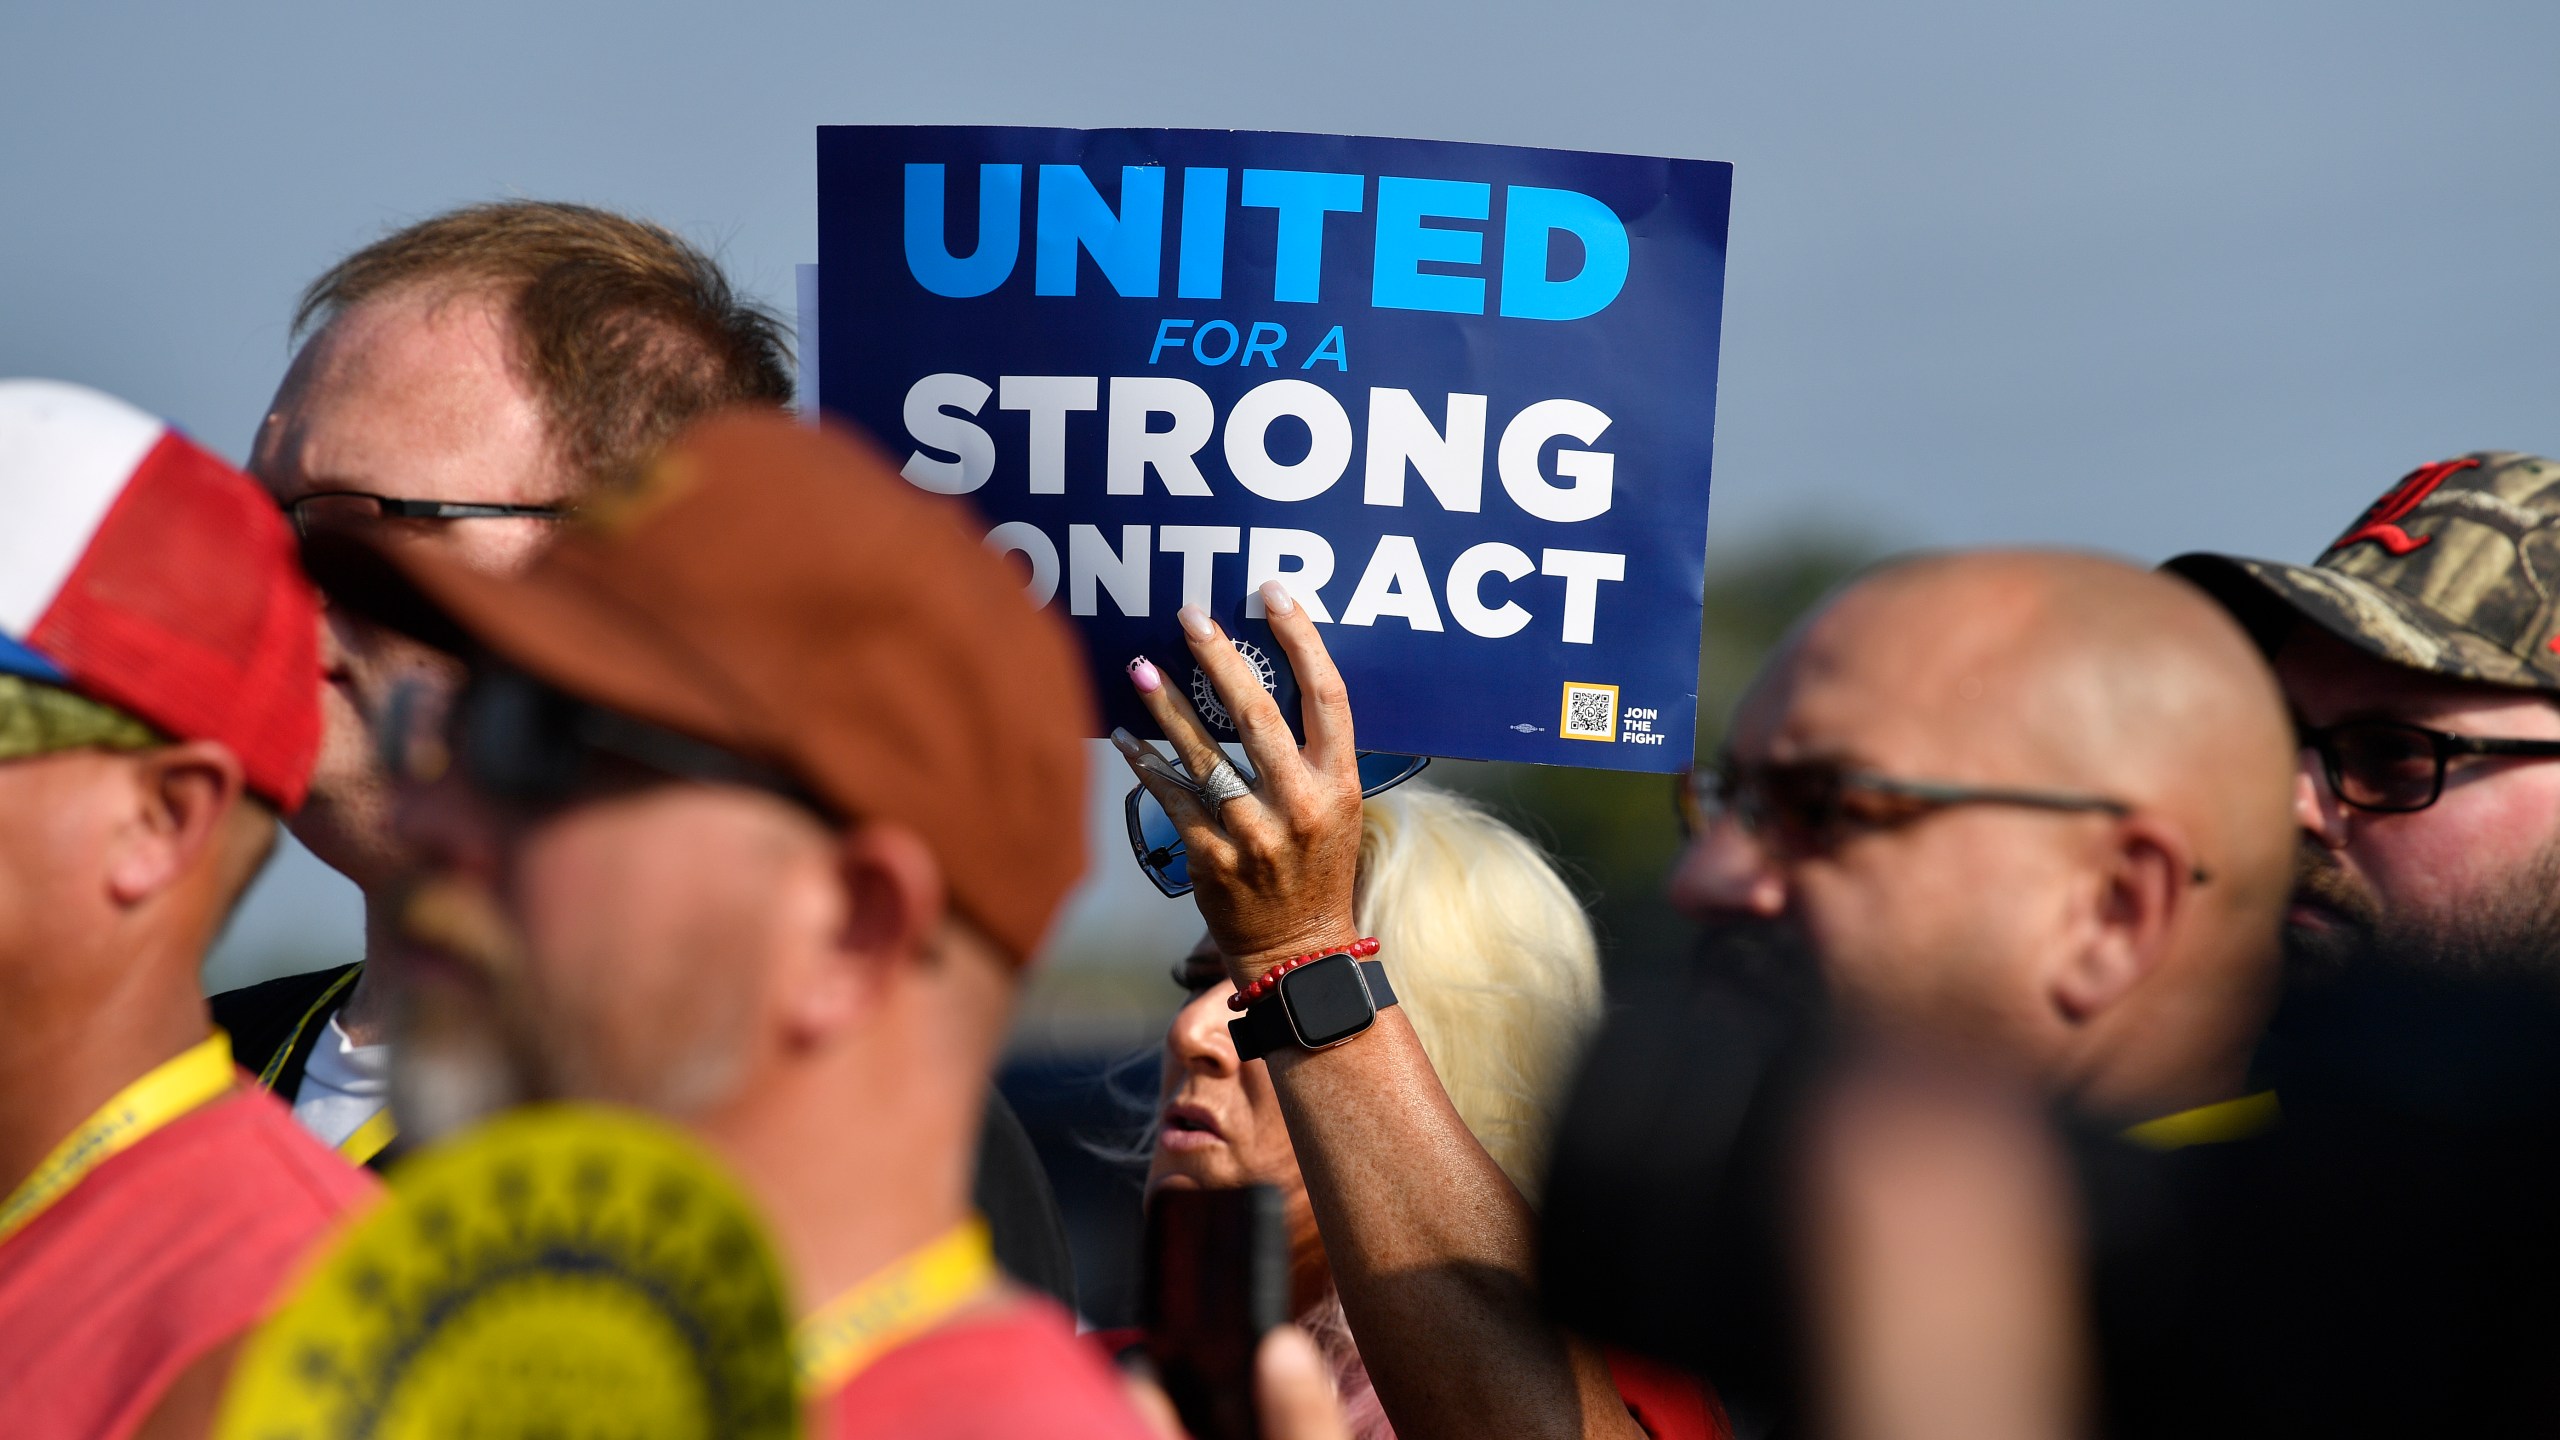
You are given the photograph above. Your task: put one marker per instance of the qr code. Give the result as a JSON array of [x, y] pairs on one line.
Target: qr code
[[1590, 712]]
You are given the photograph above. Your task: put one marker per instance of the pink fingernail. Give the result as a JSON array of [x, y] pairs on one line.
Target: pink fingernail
[[1144, 675], [1275, 598], [1195, 622]]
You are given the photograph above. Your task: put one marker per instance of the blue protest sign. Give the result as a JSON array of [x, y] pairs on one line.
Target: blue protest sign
[[1460, 398]]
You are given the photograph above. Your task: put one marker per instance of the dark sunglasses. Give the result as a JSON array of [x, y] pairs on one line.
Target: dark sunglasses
[[532, 747], [1157, 842], [2391, 767], [1808, 808]]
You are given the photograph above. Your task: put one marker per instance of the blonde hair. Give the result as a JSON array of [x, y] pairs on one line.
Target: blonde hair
[[1492, 959]]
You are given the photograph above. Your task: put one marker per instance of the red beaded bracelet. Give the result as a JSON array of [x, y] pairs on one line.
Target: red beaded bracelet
[[1251, 995]]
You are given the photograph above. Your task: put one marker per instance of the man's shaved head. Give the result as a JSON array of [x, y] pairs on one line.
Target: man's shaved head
[[2083, 938], [2100, 675]]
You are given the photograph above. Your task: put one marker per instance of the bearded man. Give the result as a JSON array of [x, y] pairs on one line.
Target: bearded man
[[760, 794], [2027, 799], [2421, 656]]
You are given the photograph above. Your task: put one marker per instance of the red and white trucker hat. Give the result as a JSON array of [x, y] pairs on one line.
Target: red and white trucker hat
[[139, 570]]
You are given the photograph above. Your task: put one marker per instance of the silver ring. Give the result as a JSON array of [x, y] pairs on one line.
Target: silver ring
[[1223, 784]]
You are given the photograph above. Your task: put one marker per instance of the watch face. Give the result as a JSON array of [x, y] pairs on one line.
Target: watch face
[[1328, 1000]]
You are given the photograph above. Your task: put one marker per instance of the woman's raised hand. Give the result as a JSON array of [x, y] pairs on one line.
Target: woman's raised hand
[[1273, 865]]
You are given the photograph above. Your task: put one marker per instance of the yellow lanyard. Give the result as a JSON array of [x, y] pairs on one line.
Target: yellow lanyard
[[370, 1138], [197, 1076], [2210, 1124], [894, 1307]]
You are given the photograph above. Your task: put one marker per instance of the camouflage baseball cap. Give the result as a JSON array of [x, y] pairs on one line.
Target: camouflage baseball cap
[[2455, 570]]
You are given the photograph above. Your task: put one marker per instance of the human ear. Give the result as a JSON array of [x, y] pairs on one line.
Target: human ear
[[890, 903], [182, 794], [2147, 872]]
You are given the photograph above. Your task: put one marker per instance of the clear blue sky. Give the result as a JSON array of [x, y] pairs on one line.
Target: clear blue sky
[[2145, 277]]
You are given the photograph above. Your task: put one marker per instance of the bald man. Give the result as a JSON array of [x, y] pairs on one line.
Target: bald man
[[2036, 801]]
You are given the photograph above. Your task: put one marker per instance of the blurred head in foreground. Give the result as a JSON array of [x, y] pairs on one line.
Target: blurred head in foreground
[[1939, 1255], [155, 644], [2421, 655], [159, 682], [1496, 970], [764, 785], [2036, 801]]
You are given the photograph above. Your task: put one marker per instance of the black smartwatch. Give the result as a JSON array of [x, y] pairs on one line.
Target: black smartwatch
[[1323, 1002]]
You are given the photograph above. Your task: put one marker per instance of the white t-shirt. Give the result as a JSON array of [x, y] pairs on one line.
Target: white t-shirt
[[343, 1085]]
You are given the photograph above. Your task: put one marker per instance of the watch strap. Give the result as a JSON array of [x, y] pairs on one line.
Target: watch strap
[[1266, 1027]]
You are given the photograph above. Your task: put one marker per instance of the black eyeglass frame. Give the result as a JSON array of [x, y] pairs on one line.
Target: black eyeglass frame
[[1146, 855], [395, 508], [2443, 747]]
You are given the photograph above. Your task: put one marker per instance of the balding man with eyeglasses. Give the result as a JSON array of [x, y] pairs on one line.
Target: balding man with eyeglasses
[[2037, 802]]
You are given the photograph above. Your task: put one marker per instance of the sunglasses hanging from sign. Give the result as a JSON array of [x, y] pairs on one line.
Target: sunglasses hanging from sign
[[1157, 842]]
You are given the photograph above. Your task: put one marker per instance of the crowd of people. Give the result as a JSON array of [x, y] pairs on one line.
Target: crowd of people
[[2120, 1005]]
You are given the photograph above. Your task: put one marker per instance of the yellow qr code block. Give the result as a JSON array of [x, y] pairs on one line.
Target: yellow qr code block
[[1590, 712]]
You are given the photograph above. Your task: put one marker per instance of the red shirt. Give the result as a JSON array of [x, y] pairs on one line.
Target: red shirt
[[1670, 1404], [154, 1258], [1016, 1371]]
